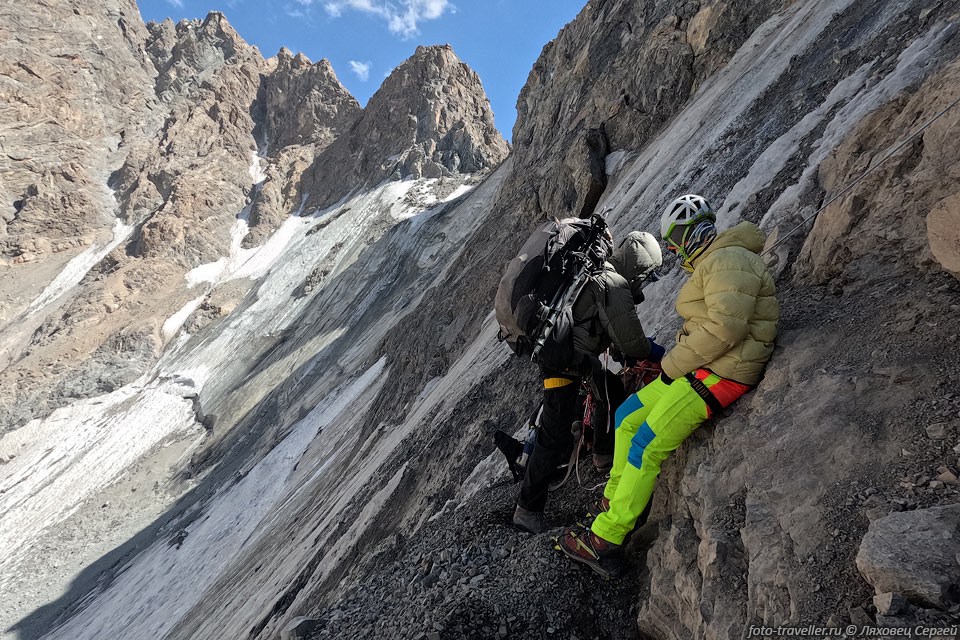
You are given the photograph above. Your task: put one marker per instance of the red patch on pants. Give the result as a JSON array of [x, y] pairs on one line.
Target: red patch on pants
[[725, 391]]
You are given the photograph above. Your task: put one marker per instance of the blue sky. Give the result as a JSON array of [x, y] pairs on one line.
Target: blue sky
[[366, 39]]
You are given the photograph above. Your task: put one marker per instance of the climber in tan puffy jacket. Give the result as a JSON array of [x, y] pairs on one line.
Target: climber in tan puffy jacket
[[730, 313], [729, 308]]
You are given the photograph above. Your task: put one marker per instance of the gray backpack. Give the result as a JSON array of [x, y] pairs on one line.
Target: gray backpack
[[534, 303]]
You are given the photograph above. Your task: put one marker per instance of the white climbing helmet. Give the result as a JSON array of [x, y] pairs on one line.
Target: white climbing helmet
[[685, 210], [687, 228]]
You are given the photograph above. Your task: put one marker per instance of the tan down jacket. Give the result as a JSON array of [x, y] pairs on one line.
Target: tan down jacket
[[730, 309]]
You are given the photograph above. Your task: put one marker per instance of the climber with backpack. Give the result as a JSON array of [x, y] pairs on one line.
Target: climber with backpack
[[730, 322], [566, 298]]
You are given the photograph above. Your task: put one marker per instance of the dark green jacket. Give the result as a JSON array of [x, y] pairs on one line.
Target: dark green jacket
[[604, 313]]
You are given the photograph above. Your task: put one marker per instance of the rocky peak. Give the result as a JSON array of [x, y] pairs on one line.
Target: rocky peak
[[193, 50], [446, 105], [304, 102], [430, 118]]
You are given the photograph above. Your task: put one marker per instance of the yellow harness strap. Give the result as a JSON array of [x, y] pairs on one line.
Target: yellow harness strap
[[556, 383]]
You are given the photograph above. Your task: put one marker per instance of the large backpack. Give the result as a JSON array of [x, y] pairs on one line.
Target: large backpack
[[535, 298]]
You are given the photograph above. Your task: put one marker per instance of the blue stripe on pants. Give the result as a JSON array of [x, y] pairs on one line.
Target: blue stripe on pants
[[629, 405], [643, 437]]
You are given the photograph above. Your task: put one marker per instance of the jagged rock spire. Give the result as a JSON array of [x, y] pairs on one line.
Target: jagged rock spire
[[430, 118], [305, 103]]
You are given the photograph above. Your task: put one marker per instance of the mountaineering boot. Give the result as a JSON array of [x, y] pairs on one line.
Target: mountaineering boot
[[603, 463], [586, 547], [600, 506], [530, 521]]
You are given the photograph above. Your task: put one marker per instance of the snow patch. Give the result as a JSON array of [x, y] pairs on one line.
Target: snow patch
[[79, 266], [254, 262], [459, 191], [172, 324], [393, 193], [257, 173]]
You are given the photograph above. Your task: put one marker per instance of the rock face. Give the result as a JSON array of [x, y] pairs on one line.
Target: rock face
[[273, 415], [943, 231], [915, 553], [610, 80], [208, 75], [304, 109], [67, 108], [854, 239], [179, 175], [446, 128], [304, 103]]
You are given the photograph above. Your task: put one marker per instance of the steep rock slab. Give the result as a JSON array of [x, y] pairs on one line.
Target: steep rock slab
[[430, 118], [943, 232], [915, 553], [609, 81]]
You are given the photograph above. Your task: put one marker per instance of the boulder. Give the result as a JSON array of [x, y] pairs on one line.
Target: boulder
[[943, 232], [914, 553], [299, 628], [889, 604]]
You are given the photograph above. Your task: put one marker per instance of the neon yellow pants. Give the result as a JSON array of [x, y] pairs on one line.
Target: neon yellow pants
[[650, 424]]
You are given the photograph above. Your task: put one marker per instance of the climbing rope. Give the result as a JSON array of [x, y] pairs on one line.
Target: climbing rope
[[861, 177]]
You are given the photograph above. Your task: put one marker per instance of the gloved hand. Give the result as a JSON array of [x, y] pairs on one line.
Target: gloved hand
[[617, 356], [656, 351]]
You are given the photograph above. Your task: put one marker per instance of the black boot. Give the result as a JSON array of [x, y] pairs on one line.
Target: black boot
[[512, 449]]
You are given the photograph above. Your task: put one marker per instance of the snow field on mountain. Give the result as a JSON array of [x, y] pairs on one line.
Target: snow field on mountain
[[78, 451], [136, 606], [108, 435]]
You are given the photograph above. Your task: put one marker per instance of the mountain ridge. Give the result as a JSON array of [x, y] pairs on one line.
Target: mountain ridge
[[283, 392]]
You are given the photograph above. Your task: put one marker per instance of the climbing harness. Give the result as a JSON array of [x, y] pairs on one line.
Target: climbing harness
[[634, 378], [862, 176]]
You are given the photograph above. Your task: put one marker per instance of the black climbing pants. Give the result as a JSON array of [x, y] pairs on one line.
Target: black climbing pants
[[561, 406], [605, 384]]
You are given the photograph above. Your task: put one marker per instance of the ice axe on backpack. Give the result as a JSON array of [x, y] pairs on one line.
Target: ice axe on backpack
[[539, 286], [588, 262]]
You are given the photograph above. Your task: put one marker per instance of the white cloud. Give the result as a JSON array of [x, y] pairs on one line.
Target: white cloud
[[177, 3], [402, 16], [362, 69]]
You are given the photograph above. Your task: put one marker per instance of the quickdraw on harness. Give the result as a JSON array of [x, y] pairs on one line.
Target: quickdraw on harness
[[634, 378]]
